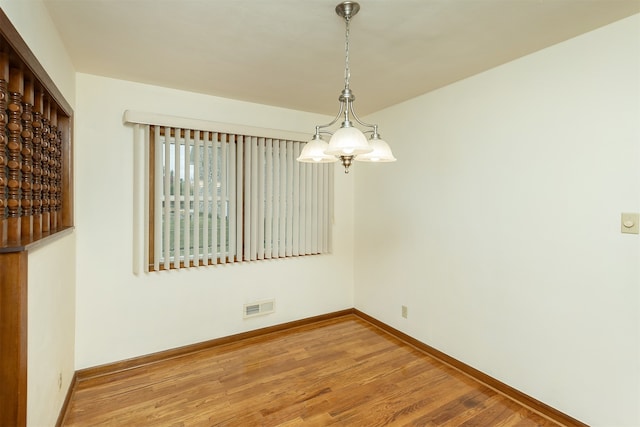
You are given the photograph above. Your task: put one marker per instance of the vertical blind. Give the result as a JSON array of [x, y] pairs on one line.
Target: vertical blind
[[214, 197]]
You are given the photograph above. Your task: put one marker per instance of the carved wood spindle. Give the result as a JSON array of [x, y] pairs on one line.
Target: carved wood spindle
[[53, 188], [4, 94], [37, 164], [44, 162], [16, 88], [59, 177], [27, 160]]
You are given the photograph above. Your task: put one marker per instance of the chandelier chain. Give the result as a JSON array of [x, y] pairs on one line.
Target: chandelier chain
[[347, 71]]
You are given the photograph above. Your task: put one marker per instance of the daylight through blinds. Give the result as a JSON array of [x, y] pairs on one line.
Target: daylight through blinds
[[218, 197]]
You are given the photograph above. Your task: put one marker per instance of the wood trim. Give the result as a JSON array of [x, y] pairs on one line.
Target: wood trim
[[500, 387], [136, 362], [65, 405], [67, 172], [13, 339], [510, 392], [31, 79], [28, 244]]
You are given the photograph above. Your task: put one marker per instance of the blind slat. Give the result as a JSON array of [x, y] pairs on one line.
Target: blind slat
[[197, 196], [231, 203], [283, 201], [295, 216], [140, 194], [166, 252], [246, 256], [309, 212], [261, 198], [314, 211], [275, 247], [320, 199], [206, 199], [158, 195], [253, 190], [330, 218], [176, 200], [303, 207], [221, 202], [239, 200], [213, 197], [289, 202], [268, 236], [325, 208], [186, 197]]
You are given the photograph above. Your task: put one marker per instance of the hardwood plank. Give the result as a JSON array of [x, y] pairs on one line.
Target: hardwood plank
[[340, 371]]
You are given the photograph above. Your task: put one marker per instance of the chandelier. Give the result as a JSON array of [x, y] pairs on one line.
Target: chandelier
[[347, 143]]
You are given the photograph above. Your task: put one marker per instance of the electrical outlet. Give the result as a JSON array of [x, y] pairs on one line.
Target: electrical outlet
[[404, 311]]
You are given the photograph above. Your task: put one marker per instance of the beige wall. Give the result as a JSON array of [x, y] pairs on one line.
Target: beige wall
[[51, 333], [499, 226], [121, 314]]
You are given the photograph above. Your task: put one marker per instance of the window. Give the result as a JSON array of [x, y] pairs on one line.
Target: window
[[216, 194]]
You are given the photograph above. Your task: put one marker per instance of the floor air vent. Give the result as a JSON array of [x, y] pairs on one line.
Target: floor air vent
[[259, 308]]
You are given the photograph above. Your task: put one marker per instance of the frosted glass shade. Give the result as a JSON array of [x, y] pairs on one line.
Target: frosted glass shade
[[381, 152], [314, 152], [348, 141]]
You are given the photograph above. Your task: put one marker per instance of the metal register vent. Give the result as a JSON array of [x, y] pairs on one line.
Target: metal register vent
[[259, 308]]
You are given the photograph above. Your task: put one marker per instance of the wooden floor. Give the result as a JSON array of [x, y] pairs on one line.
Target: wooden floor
[[341, 372]]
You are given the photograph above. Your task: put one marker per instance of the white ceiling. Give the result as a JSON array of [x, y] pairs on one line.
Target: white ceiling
[[290, 53]]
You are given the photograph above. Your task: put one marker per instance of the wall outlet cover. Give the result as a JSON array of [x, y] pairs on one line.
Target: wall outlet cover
[[629, 223]]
